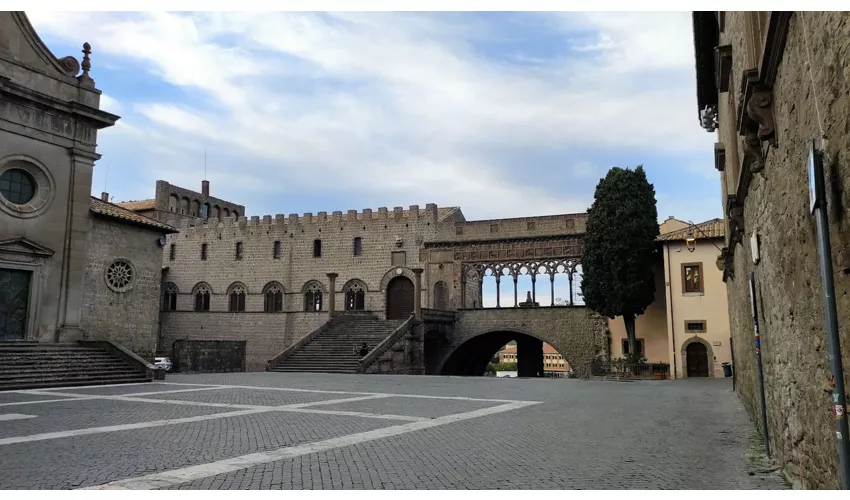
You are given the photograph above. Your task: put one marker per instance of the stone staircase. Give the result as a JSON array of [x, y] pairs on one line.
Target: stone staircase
[[32, 365], [332, 350]]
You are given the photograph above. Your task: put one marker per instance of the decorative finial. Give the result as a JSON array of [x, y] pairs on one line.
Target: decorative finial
[[86, 65]]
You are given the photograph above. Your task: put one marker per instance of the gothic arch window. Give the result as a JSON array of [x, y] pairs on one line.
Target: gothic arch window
[[169, 297], [236, 297], [355, 295], [313, 296], [202, 293], [273, 297], [205, 211], [184, 206]]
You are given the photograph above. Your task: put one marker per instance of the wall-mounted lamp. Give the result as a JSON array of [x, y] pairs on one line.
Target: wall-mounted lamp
[[690, 242]]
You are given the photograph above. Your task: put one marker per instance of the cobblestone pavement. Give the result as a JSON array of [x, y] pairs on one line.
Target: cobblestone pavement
[[311, 431]]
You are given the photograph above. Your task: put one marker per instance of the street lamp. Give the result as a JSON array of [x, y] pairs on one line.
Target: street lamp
[[690, 242]]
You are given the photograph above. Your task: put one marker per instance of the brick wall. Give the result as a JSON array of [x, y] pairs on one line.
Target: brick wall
[[130, 318]]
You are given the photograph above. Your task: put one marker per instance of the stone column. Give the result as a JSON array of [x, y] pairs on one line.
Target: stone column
[[332, 298], [498, 291], [417, 292], [76, 236]]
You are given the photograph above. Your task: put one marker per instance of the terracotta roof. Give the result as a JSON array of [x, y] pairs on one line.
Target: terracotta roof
[[709, 229], [107, 209], [138, 205], [547, 349]]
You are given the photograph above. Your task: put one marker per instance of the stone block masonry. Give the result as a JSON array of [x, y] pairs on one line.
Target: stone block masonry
[[775, 205]]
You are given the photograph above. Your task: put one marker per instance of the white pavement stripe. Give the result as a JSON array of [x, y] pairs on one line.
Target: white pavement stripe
[[246, 410], [338, 401], [355, 414], [419, 396], [126, 427], [18, 403], [87, 386], [14, 416], [187, 474]]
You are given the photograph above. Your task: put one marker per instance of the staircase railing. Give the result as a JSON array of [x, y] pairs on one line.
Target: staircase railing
[[385, 344], [289, 351]]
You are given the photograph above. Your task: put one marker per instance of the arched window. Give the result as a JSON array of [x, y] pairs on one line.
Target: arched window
[[205, 211], [196, 208], [202, 294], [355, 295], [225, 212], [184, 206], [273, 294], [313, 296], [173, 202], [169, 297], [215, 214], [236, 295]]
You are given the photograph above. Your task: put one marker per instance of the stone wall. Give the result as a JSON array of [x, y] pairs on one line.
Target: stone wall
[[776, 209], [208, 356], [49, 118], [174, 204], [266, 334], [130, 318], [577, 333]]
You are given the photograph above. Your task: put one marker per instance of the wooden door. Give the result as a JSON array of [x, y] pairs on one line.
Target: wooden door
[[697, 360], [14, 304], [399, 298]]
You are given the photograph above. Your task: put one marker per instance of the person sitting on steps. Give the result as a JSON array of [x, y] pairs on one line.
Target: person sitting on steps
[[364, 350]]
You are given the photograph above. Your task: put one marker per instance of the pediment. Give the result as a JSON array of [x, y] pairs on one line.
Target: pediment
[[20, 42], [24, 246]]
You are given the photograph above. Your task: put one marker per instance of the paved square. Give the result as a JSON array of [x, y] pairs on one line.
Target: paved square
[[311, 431]]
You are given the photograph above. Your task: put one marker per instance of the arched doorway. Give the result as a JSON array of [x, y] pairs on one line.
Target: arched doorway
[[441, 295], [696, 359], [399, 298]]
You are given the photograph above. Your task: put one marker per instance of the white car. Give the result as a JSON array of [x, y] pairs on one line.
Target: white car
[[164, 363]]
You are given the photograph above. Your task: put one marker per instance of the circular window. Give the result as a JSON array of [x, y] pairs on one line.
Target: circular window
[[120, 275], [26, 186], [17, 186]]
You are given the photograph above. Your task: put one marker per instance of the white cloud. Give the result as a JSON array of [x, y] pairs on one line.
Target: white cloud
[[419, 110]]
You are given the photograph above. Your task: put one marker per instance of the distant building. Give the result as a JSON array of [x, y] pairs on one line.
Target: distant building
[[552, 361]]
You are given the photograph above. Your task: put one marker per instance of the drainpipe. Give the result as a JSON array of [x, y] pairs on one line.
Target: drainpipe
[[669, 286]]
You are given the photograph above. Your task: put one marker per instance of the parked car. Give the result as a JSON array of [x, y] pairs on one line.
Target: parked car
[[164, 363]]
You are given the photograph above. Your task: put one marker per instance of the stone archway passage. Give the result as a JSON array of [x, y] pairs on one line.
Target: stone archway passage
[[696, 360], [399, 298]]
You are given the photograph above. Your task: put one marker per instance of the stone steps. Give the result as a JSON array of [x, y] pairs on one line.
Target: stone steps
[[33, 365], [333, 351]]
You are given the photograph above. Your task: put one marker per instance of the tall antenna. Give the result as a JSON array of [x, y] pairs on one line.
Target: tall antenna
[[106, 178], [205, 163]]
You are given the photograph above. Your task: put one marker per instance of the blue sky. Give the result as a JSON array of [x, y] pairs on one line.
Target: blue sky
[[503, 114]]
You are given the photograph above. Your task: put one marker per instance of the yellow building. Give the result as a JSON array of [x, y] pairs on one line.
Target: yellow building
[[552, 361], [687, 326]]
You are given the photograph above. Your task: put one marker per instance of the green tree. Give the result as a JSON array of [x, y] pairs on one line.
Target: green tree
[[620, 248]]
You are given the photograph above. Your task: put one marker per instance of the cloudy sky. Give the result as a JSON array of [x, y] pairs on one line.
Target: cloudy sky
[[503, 114]]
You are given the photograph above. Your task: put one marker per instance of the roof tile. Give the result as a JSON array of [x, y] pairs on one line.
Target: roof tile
[[107, 209], [711, 229]]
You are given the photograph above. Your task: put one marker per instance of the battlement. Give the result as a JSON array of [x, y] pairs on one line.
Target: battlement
[[429, 216]]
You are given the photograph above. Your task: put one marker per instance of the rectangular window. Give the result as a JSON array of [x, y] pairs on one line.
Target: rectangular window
[[203, 251], [692, 278], [172, 251], [317, 248], [695, 326], [276, 250], [358, 246], [639, 343], [238, 250]]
